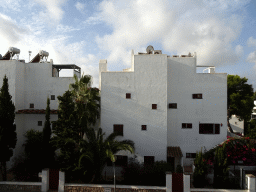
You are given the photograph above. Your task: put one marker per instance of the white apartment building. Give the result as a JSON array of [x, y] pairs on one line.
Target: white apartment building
[[161, 103], [29, 85]]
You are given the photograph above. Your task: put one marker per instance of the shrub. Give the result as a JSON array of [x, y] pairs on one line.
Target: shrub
[[199, 176], [179, 169], [136, 173]]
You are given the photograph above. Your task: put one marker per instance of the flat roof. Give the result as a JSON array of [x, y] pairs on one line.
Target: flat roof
[[69, 66]]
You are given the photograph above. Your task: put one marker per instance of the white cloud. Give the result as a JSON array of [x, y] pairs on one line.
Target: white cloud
[[10, 5], [239, 50], [10, 32], [251, 42], [80, 6], [65, 28], [204, 26], [53, 13], [251, 57], [93, 20]]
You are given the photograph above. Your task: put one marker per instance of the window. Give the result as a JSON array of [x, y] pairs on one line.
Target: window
[[118, 129], [149, 160], [209, 128], [52, 97], [154, 106], [173, 105], [144, 127], [187, 125], [39, 123], [253, 116], [31, 105], [128, 95], [190, 155], [217, 128], [197, 96]]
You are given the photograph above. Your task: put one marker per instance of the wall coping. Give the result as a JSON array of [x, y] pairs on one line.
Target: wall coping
[[226, 190], [19, 183], [117, 186]]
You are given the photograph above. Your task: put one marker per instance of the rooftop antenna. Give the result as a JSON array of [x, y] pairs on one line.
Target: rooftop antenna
[[29, 52]]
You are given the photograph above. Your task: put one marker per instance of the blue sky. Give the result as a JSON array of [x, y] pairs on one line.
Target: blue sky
[[221, 32]]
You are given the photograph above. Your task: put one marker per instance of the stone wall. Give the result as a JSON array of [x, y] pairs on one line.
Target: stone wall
[[9, 187]]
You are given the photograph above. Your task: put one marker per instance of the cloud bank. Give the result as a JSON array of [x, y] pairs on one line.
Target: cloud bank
[[208, 27]]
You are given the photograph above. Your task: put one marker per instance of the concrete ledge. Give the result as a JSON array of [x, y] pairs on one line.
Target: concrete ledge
[[117, 186]]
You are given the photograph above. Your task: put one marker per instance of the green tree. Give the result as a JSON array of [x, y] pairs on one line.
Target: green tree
[[8, 135], [86, 101], [66, 133], [48, 153], [98, 150], [240, 99], [251, 130]]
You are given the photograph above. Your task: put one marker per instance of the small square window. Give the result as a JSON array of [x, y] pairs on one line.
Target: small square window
[[39, 123], [52, 97], [143, 127], [187, 125], [154, 106], [31, 105], [173, 105], [197, 96], [128, 95], [190, 155], [118, 129]]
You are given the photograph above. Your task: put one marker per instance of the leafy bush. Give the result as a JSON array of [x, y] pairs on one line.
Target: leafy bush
[[199, 176], [25, 170], [179, 169], [136, 173]]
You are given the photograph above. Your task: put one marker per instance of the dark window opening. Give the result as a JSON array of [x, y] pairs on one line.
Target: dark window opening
[[209, 128], [190, 155], [52, 97], [154, 106], [187, 125], [39, 123], [118, 129], [128, 95], [31, 105], [197, 96], [173, 105], [143, 127]]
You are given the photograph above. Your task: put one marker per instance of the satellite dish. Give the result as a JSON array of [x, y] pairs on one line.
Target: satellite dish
[[150, 49]]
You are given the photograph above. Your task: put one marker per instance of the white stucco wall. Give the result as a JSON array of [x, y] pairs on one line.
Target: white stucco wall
[[158, 79], [183, 81], [31, 83]]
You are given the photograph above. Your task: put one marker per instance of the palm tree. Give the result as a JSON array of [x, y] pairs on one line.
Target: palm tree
[[98, 151], [86, 101]]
